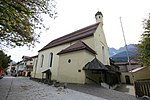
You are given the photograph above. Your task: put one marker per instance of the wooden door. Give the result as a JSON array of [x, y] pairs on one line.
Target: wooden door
[[127, 79]]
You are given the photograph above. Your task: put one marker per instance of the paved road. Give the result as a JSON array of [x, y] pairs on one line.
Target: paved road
[[22, 88], [126, 88], [102, 92]]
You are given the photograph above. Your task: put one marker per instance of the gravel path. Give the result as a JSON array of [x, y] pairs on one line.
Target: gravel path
[[25, 89]]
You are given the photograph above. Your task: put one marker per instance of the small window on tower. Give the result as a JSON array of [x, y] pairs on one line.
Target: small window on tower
[[99, 16], [69, 61]]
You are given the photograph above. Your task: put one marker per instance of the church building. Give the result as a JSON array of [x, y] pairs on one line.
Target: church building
[[79, 57]]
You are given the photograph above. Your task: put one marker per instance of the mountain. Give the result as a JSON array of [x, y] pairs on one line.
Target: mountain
[[112, 51], [120, 55], [12, 62], [130, 48]]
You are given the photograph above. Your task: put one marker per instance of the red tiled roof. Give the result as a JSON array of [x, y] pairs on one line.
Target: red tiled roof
[[79, 34], [77, 46], [34, 56], [125, 63], [26, 58]]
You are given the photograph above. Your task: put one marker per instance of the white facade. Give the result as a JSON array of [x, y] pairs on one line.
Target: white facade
[[35, 60], [72, 72], [71, 64]]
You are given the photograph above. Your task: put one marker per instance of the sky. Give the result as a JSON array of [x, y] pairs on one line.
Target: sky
[[76, 14]]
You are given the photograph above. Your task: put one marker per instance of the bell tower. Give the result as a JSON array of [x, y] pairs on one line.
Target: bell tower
[[99, 17]]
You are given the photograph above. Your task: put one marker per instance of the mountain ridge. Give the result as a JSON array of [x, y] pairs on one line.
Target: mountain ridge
[[120, 55]]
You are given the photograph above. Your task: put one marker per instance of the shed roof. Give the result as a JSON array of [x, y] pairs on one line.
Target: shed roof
[[137, 69], [80, 45], [79, 34], [113, 68], [95, 64], [47, 71]]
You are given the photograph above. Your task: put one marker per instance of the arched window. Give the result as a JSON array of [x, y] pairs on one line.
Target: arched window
[[42, 59], [50, 59], [103, 54]]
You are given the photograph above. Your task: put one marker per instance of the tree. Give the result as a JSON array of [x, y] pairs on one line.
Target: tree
[[145, 43], [4, 60], [20, 18]]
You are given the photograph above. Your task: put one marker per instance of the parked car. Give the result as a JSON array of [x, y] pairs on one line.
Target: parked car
[[1, 76], [14, 74]]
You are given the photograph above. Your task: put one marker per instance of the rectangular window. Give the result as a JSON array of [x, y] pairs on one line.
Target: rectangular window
[[103, 53], [50, 59], [42, 59]]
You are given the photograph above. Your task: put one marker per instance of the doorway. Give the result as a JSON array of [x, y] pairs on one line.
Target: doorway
[[47, 74], [127, 79]]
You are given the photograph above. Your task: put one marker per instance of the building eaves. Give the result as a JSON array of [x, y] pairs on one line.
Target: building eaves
[[77, 35]]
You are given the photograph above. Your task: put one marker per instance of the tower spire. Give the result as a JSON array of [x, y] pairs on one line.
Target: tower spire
[[99, 17]]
